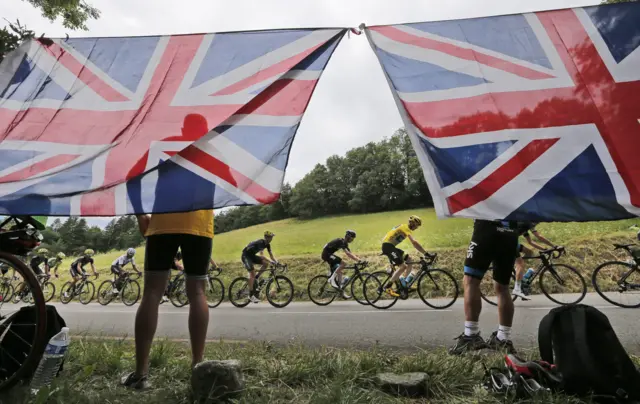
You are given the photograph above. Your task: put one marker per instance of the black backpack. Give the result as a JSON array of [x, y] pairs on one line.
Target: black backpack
[[15, 343], [588, 354]]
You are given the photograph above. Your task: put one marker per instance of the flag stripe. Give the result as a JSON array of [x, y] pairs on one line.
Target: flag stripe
[[38, 168]]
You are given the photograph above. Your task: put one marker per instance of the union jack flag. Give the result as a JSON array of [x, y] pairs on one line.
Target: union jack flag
[[111, 126], [523, 117]]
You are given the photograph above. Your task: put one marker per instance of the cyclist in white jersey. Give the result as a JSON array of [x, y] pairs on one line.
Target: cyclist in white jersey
[[117, 267]]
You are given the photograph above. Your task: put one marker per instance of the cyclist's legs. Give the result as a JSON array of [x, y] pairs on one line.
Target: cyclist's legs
[[520, 261]]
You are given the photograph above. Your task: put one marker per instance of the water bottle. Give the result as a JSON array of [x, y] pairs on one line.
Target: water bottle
[[345, 280], [527, 276], [51, 360]]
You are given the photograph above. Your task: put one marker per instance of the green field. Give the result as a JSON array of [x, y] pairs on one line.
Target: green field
[[299, 243]]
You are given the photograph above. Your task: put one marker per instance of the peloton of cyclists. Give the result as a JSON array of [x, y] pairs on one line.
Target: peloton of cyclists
[[250, 258], [399, 260], [336, 265], [117, 268]]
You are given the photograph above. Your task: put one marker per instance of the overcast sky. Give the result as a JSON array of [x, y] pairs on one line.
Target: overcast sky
[[352, 104]]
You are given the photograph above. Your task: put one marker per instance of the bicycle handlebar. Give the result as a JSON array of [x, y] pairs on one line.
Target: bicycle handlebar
[[555, 252]]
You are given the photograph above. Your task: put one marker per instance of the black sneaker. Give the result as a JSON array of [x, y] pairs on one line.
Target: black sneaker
[[135, 382], [499, 345], [466, 343]]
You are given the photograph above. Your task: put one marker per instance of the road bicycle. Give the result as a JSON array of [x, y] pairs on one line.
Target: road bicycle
[[618, 282], [322, 293], [23, 293], [436, 287], [126, 287], [278, 288], [6, 285], [25, 325], [84, 290], [560, 283], [214, 289]]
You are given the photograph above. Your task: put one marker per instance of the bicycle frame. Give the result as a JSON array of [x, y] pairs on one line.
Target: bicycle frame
[[635, 267], [546, 257]]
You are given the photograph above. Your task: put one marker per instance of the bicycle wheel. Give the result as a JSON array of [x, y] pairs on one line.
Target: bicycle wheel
[[239, 292], [49, 291], [618, 283], [562, 284], [87, 292], [32, 332], [374, 293], [105, 292], [17, 297], [6, 292], [437, 288], [178, 295], [280, 291], [319, 290], [130, 292], [66, 293], [215, 292], [357, 288]]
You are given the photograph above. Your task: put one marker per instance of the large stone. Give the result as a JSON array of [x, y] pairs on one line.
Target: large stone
[[404, 384], [217, 381]]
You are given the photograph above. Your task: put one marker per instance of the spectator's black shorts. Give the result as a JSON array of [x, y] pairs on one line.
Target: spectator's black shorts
[[162, 248], [395, 255], [36, 269], [76, 271], [333, 261], [491, 243], [249, 260]]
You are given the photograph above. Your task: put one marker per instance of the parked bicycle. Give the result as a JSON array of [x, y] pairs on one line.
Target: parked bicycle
[[23, 292], [84, 290], [26, 325], [126, 288], [214, 289], [560, 283], [437, 288], [278, 288], [618, 282], [322, 293]]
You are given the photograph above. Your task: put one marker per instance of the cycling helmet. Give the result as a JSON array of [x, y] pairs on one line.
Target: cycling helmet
[[350, 233], [89, 252], [43, 251], [268, 234], [131, 252], [61, 256], [415, 220]]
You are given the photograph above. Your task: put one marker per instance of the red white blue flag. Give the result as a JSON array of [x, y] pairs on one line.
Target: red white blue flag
[[523, 117], [111, 126]]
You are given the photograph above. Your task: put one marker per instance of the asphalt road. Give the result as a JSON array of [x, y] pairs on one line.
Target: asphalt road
[[408, 324]]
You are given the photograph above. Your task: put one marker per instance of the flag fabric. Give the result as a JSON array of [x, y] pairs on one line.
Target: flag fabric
[[523, 117], [111, 126]]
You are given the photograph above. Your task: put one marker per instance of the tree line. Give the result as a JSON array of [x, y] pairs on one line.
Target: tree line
[[379, 176], [74, 235]]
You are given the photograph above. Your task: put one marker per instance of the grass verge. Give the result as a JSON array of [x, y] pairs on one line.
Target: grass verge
[[274, 374]]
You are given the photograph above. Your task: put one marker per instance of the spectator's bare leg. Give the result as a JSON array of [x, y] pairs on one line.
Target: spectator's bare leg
[[198, 318], [155, 282]]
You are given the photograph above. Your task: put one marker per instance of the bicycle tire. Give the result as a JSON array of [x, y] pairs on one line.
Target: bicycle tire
[[39, 337], [357, 288], [48, 291], [278, 281], [449, 278], [131, 296], [91, 291], [6, 291], [66, 289], [372, 284], [321, 287], [582, 283], [214, 298], [600, 289], [178, 295], [242, 287], [105, 292]]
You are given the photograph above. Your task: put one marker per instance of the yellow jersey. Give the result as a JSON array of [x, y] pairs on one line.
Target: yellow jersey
[[198, 223], [397, 234]]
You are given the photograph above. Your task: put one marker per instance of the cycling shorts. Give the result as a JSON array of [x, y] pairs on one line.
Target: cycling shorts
[[491, 243], [249, 260], [76, 271], [396, 256], [117, 270], [162, 248], [36, 269], [333, 261]]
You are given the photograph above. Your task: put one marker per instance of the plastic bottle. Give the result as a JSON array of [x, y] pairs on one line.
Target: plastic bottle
[[528, 275], [51, 360], [345, 280]]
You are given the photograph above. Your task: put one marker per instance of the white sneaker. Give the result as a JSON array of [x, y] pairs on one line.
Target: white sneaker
[[164, 299], [254, 299], [115, 291], [332, 282], [518, 292]]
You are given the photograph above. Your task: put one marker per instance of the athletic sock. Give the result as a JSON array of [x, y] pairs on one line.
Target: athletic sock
[[471, 328], [518, 285], [504, 333]]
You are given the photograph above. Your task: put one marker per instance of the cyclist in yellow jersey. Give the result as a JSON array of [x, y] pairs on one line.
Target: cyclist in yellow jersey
[[399, 260]]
